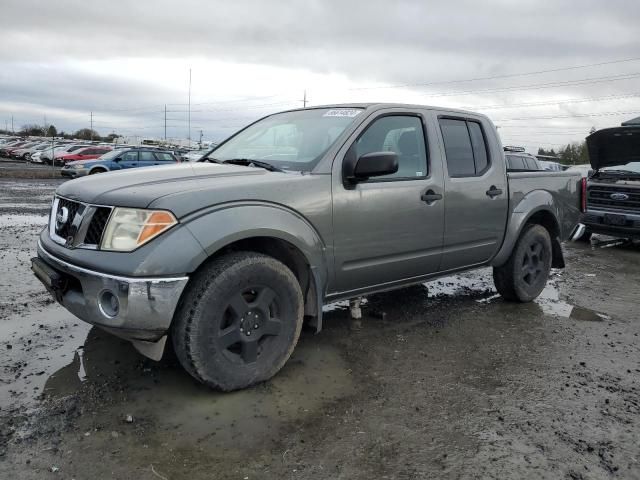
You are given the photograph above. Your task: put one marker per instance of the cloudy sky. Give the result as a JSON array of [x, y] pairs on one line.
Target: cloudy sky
[[544, 71]]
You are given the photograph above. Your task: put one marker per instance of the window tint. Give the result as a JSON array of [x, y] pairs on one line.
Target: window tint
[[146, 157], [479, 147], [457, 146], [130, 157], [515, 163], [164, 157], [400, 134]]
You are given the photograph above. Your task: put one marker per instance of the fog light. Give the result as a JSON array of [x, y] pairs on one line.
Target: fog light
[[109, 304]]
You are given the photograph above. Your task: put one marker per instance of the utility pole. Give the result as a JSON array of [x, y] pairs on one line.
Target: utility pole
[[92, 126], [165, 122], [200, 142], [12, 130], [304, 99], [189, 114]]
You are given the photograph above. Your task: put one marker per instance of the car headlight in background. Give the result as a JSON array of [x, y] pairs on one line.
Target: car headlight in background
[[78, 167], [129, 228]]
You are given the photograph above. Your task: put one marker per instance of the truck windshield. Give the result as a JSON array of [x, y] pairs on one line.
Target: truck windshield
[[289, 140]]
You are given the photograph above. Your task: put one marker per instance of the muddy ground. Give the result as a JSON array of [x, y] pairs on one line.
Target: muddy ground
[[443, 381]]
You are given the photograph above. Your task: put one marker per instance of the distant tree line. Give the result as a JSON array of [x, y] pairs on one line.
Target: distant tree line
[[33, 130], [573, 154]]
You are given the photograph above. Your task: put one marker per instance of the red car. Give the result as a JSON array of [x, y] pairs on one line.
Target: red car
[[84, 154]]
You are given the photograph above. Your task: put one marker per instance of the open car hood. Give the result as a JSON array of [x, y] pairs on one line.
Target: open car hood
[[611, 147]]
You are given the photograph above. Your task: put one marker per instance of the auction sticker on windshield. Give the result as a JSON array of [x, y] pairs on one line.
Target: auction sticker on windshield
[[342, 112]]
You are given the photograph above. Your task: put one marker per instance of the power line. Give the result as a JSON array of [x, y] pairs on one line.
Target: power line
[[576, 115], [560, 102], [535, 86], [495, 77]]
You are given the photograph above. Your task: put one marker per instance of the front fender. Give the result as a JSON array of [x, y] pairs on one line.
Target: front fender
[[222, 225], [532, 203]]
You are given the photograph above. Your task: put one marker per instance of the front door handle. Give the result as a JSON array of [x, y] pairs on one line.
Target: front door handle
[[494, 192], [430, 196]]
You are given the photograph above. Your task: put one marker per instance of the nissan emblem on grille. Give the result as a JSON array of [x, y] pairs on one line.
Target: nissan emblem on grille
[[619, 196], [62, 217]]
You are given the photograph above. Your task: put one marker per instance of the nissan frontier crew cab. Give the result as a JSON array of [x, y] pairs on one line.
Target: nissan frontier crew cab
[[229, 256]]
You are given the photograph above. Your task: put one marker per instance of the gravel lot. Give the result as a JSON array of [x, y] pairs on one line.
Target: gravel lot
[[443, 381]]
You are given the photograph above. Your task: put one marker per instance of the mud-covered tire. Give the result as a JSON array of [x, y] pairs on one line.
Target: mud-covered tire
[[526, 272], [238, 321]]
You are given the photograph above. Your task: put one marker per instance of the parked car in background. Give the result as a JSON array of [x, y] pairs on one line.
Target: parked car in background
[[67, 150], [550, 166], [86, 153], [520, 161], [612, 201], [18, 150], [119, 159], [4, 149], [194, 155]]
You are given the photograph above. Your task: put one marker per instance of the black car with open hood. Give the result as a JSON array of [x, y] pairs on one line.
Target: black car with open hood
[[615, 146], [613, 190]]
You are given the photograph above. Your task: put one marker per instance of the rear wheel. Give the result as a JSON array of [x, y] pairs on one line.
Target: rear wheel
[[97, 170], [525, 274], [239, 321]]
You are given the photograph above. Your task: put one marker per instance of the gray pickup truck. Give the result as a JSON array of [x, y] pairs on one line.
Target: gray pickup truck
[[229, 256]]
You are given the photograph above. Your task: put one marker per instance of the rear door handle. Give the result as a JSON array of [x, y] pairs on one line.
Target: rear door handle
[[494, 192], [430, 196]]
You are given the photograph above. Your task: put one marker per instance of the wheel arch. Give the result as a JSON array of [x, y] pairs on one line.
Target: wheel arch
[[98, 168], [274, 231], [537, 208]]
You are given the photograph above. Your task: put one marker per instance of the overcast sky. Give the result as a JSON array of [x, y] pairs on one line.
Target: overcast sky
[[124, 60]]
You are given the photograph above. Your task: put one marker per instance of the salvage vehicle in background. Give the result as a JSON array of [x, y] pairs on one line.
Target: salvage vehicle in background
[[119, 159], [612, 191], [86, 153], [228, 256], [520, 161]]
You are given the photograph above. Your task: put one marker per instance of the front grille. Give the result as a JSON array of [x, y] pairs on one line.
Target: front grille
[[600, 196], [97, 225], [76, 225], [64, 229]]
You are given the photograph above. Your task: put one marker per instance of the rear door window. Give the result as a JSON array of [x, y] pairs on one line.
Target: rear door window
[[164, 157], [146, 156], [465, 147], [130, 157]]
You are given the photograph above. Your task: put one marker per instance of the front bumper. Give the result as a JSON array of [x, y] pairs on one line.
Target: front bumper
[[613, 223], [73, 173], [137, 309]]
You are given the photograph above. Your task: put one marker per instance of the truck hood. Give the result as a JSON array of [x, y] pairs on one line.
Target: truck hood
[[182, 188], [611, 147]]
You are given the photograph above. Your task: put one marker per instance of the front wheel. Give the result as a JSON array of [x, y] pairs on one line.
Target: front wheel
[[239, 321], [525, 274]]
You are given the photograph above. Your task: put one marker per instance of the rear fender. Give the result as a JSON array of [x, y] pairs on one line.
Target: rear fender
[[539, 207]]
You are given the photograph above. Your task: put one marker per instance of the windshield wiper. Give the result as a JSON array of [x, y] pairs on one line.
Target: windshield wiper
[[250, 161]]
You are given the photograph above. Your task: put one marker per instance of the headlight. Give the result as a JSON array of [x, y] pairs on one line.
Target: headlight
[[129, 228], [78, 166]]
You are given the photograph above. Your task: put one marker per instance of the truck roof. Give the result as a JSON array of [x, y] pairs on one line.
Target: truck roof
[[382, 105]]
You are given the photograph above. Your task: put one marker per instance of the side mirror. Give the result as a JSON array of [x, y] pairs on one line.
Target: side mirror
[[117, 159], [374, 164]]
